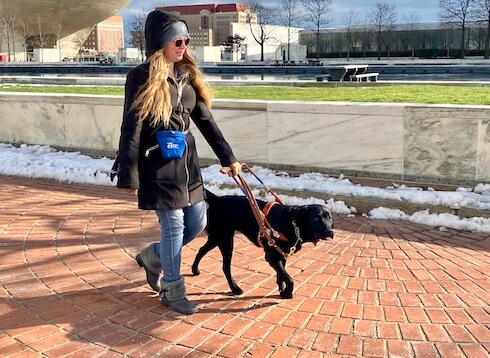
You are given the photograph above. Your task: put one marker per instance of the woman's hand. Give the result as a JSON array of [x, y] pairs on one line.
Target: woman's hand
[[233, 169]]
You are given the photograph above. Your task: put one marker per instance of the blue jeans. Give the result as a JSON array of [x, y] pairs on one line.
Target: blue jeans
[[178, 227]]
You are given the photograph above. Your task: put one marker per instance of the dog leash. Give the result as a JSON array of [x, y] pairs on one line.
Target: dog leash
[[265, 229]]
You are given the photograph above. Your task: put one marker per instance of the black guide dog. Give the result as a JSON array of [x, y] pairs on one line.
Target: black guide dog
[[297, 224]]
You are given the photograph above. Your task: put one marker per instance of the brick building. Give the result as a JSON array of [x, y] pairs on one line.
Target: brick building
[[106, 37], [210, 24]]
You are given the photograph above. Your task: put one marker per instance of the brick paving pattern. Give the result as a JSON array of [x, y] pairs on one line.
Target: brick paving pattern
[[70, 287]]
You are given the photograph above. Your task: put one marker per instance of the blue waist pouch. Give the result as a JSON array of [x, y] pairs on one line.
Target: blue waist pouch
[[172, 144]]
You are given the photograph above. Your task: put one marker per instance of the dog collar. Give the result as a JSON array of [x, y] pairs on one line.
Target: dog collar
[[267, 208]]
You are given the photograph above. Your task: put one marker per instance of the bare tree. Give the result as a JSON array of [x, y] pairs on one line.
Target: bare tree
[[349, 19], [412, 18], [316, 13], [483, 15], [57, 28], [383, 17], [458, 12], [289, 16], [42, 37], [265, 16], [8, 19], [137, 31], [23, 30], [366, 37], [79, 40]]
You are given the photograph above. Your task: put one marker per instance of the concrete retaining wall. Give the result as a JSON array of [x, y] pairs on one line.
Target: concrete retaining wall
[[400, 141]]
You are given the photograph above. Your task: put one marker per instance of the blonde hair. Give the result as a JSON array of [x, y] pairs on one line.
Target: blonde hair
[[153, 98]]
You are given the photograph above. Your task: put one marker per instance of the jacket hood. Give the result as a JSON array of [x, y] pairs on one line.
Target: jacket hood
[[162, 27]]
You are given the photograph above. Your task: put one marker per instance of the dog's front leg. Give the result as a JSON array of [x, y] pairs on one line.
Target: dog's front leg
[[284, 281]]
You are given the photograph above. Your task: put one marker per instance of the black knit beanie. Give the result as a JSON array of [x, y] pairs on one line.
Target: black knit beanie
[[162, 27]]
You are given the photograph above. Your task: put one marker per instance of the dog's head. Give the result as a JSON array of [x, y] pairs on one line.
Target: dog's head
[[316, 223]]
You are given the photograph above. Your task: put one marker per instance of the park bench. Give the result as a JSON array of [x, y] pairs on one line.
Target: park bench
[[365, 77]]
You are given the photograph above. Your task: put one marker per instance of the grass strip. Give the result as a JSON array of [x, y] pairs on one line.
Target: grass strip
[[423, 94]]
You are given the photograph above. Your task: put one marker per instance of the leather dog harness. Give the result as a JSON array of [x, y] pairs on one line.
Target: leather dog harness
[[266, 231]]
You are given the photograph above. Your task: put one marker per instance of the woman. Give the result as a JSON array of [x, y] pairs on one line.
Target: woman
[[164, 93]]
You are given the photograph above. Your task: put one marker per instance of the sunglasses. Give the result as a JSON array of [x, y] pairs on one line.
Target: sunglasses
[[179, 42]]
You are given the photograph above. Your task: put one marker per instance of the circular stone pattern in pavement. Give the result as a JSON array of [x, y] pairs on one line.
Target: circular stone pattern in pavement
[[70, 286]]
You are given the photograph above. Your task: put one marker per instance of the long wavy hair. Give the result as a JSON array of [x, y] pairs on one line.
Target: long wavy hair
[[153, 98]]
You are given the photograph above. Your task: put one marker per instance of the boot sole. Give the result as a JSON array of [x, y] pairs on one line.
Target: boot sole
[[166, 303]]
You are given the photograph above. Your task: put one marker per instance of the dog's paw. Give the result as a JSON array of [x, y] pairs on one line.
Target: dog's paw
[[196, 271], [236, 291], [286, 295]]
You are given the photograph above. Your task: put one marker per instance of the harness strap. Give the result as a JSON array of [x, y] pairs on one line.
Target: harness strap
[[266, 232]]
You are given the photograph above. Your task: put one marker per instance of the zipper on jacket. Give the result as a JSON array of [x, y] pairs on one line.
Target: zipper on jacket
[[180, 89], [149, 150]]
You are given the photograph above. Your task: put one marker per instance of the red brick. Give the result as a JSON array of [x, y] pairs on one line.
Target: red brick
[[459, 316], [458, 333], [349, 345], [325, 342], [479, 315], [388, 299], [259, 349], [331, 308], [258, 330], [373, 348], [318, 322], [351, 310], [387, 330], [199, 334], [480, 332], [235, 326], [236, 348], [416, 315], [282, 352], [474, 351], [275, 316], [435, 333], [373, 313], [297, 319], [438, 316], [448, 349], [409, 300], [430, 301], [347, 295], [424, 350], [302, 338], [364, 328], [398, 349], [394, 314], [214, 343], [312, 305], [340, 325], [411, 332], [367, 298]]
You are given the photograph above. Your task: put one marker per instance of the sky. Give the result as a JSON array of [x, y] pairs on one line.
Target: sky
[[72, 167], [426, 9]]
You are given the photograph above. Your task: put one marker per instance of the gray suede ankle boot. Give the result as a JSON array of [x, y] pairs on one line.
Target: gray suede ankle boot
[[150, 261], [173, 295]]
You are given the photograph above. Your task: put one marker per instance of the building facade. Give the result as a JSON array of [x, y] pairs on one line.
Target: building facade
[[210, 24], [106, 37], [423, 40]]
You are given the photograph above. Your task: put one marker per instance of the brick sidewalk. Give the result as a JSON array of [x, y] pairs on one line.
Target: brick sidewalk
[[70, 287]]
